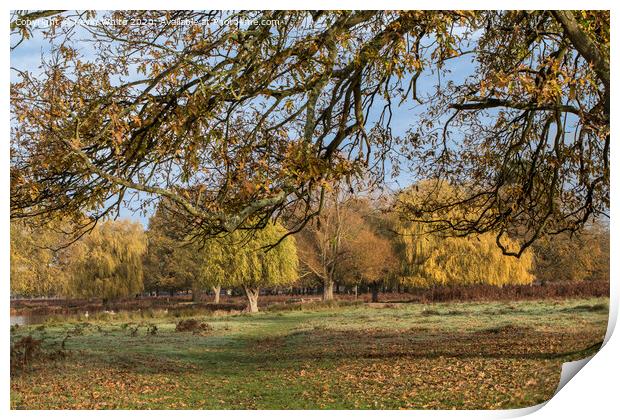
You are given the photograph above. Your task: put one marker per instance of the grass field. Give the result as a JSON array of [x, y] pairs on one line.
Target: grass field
[[453, 355]]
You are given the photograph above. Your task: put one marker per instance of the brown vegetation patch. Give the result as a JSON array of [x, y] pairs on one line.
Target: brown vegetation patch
[[29, 350], [106, 387], [512, 330], [486, 292], [192, 325], [267, 345]]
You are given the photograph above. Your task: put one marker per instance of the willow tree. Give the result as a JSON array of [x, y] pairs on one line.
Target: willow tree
[[107, 262], [37, 265], [433, 255], [218, 261], [174, 261], [468, 261], [263, 260]]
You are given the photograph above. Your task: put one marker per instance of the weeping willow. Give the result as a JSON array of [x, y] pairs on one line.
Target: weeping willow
[[107, 263], [431, 257], [254, 264], [220, 263], [467, 261], [36, 268], [217, 262]]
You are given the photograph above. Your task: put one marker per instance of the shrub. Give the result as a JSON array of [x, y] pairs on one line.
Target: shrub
[[24, 351]]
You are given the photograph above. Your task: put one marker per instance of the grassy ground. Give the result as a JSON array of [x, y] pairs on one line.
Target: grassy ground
[[468, 355]]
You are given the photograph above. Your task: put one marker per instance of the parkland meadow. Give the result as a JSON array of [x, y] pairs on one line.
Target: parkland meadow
[[340, 355]]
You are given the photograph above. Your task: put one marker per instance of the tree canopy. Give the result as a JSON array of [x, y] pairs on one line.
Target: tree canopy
[[526, 135], [175, 262], [166, 265], [322, 243], [235, 120], [568, 257], [246, 258], [107, 263], [256, 263], [37, 267], [370, 254]]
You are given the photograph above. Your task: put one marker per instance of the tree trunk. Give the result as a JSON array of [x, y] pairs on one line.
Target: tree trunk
[[196, 294], [216, 290], [252, 294], [374, 289], [328, 290]]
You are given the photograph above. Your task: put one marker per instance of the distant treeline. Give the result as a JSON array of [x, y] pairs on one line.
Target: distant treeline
[[355, 246]]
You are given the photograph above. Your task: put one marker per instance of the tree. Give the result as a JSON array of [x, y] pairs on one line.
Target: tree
[[348, 242], [469, 261], [166, 266], [107, 263], [282, 110], [217, 262], [176, 262], [321, 243], [270, 105], [526, 134], [37, 266], [256, 262], [582, 256], [431, 256], [370, 256]]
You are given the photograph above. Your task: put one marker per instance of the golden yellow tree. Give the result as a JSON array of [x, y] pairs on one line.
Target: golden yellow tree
[[263, 260], [107, 263], [36, 264], [370, 260], [433, 253], [578, 257]]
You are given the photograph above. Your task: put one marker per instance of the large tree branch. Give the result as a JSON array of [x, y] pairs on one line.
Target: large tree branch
[[485, 103], [586, 47], [229, 222]]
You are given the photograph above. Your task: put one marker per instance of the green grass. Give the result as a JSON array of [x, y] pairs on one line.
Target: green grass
[[453, 355]]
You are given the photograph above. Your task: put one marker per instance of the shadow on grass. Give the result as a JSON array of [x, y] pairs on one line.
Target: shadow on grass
[[508, 341]]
